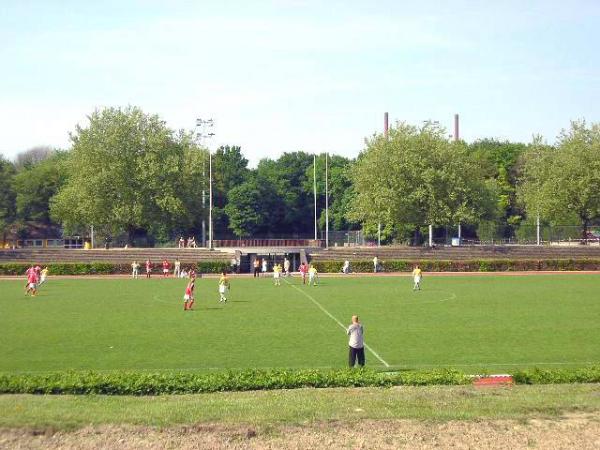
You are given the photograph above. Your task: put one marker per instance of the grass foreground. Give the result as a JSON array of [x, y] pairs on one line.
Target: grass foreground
[[496, 323], [300, 406]]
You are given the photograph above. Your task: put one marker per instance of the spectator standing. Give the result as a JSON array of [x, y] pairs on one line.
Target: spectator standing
[[264, 266], [256, 267], [356, 343], [181, 242], [346, 267], [135, 269], [177, 268], [375, 264]]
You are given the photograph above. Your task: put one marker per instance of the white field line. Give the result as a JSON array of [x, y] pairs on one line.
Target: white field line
[[335, 320]]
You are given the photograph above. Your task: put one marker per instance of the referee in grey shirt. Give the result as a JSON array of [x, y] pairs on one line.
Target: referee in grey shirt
[[356, 343]]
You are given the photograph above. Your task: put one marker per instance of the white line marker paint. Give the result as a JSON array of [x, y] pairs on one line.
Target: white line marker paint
[[335, 320]]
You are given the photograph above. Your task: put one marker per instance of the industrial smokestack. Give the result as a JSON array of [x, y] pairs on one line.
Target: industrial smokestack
[[385, 124], [456, 131]]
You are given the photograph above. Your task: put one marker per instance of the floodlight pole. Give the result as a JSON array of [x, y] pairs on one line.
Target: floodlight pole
[[315, 190], [456, 139], [326, 203], [203, 124], [537, 226], [386, 133], [210, 201]]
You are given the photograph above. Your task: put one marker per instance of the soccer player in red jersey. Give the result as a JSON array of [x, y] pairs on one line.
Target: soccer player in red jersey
[[166, 268], [32, 280], [303, 270], [28, 272], [148, 268], [188, 298]]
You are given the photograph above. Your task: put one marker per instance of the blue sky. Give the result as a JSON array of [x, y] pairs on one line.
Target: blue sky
[[299, 75]]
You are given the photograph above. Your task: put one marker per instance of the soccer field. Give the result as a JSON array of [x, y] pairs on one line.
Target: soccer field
[[494, 323]]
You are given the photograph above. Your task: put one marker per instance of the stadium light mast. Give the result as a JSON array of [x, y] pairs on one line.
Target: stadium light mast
[[204, 125], [210, 201], [386, 133], [315, 190], [456, 139], [326, 203]]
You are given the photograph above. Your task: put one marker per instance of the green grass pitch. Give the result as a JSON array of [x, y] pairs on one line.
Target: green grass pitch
[[493, 323]]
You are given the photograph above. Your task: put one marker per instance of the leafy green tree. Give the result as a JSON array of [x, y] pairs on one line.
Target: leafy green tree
[[290, 205], [7, 195], [193, 184], [125, 174], [499, 161], [245, 208], [230, 169], [417, 178], [564, 181], [36, 184]]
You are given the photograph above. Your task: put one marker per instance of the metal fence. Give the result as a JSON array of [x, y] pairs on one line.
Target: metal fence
[[484, 234]]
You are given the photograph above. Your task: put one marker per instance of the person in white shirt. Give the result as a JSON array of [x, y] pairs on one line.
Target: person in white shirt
[[346, 267], [356, 343], [135, 268], [264, 266]]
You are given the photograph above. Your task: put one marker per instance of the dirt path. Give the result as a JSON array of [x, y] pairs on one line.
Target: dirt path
[[580, 431]]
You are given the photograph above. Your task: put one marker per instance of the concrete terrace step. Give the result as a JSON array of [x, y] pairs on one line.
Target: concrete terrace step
[[457, 253], [47, 255]]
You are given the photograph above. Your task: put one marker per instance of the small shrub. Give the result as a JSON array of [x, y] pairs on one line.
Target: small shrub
[[484, 265], [558, 376]]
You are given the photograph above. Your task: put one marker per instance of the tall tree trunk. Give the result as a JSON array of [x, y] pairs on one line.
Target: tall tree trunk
[[130, 235], [585, 226]]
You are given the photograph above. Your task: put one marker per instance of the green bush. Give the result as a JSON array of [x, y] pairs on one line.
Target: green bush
[[212, 267], [139, 383], [558, 376], [103, 268], [481, 265]]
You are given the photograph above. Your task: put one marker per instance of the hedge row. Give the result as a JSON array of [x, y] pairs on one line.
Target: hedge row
[[100, 268], [476, 265], [140, 383], [558, 376]]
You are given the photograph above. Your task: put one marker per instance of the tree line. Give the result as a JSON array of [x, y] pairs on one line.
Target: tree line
[[128, 174]]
